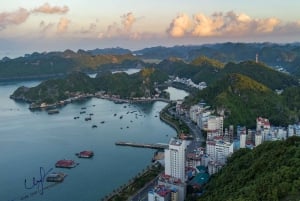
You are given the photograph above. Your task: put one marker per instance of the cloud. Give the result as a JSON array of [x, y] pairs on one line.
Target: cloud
[[21, 15], [62, 25], [121, 30], [128, 20], [180, 25], [90, 29], [47, 9], [45, 27], [13, 18], [111, 31], [221, 24]]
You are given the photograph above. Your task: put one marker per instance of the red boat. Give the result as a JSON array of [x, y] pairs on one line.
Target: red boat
[[65, 164], [85, 154]]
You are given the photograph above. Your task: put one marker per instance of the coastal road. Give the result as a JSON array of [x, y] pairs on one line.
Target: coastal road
[[142, 194], [195, 130]]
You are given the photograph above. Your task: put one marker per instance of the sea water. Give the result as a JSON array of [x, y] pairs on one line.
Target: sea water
[[32, 141]]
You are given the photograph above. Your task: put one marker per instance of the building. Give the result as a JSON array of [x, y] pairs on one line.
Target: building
[[175, 173], [202, 119], [179, 109], [228, 134], [218, 150], [214, 167], [195, 111], [263, 125], [215, 123], [258, 139], [176, 186], [163, 193], [175, 158]]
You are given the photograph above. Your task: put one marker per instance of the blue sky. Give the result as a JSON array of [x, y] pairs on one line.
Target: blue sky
[[28, 26]]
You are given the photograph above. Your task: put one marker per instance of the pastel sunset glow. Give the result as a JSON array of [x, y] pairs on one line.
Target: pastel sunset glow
[[28, 26]]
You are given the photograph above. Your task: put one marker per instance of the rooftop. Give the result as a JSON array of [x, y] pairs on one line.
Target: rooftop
[[176, 142]]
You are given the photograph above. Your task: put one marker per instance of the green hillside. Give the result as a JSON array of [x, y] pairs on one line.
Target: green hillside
[[242, 99], [205, 61], [127, 86], [210, 71], [57, 63], [270, 172]]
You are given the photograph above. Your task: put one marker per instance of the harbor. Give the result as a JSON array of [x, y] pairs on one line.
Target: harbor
[[139, 145]]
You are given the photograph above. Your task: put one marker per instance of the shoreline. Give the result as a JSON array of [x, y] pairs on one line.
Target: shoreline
[[115, 99]]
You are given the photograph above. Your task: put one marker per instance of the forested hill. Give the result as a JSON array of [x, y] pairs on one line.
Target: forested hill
[[53, 64], [241, 100], [209, 70], [141, 84], [286, 56], [270, 172]]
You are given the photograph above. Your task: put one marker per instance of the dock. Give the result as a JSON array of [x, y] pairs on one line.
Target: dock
[[150, 146]]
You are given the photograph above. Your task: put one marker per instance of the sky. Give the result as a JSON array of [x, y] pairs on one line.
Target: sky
[[57, 25]]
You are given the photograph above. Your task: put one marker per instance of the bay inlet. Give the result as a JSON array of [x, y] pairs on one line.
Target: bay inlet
[[31, 140]]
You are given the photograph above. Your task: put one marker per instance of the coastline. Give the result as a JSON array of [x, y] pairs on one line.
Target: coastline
[[122, 191], [35, 106]]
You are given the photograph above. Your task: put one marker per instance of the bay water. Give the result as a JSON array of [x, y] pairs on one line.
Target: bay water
[[32, 142]]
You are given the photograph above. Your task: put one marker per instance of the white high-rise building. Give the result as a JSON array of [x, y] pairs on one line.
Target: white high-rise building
[[218, 150], [243, 138], [175, 158]]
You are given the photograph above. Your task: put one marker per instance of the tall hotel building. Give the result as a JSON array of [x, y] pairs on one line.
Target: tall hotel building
[[175, 159]]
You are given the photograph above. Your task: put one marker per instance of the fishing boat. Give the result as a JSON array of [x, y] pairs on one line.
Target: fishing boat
[[85, 154], [56, 177], [66, 164], [54, 111]]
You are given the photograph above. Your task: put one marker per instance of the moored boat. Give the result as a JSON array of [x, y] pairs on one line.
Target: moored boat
[[66, 164], [56, 177], [85, 154], [53, 111]]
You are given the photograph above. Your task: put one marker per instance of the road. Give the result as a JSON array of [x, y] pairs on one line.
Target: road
[[142, 194], [195, 130]]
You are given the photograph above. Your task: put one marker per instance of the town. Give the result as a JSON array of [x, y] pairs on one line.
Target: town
[[189, 165]]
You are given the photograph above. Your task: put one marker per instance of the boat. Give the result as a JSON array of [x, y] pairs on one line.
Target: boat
[[87, 118], [56, 177], [82, 112], [54, 111], [94, 126], [102, 122], [66, 164], [85, 154]]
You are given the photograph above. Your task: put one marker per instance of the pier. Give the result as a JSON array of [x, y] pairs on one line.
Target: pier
[[150, 146]]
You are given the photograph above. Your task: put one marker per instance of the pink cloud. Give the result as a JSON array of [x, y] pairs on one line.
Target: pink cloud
[[47, 9], [13, 18], [128, 20], [62, 25], [180, 25], [221, 24], [121, 30]]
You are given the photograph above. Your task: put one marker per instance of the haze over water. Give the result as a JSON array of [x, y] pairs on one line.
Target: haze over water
[[30, 140]]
